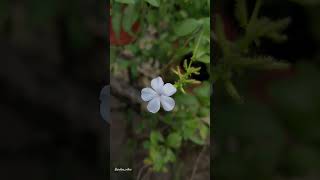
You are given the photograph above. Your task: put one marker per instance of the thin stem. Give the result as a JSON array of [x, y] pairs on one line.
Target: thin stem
[[195, 167], [173, 59], [187, 74], [196, 49], [255, 12], [141, 170]]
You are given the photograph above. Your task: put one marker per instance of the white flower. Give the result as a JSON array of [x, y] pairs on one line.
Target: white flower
[[159, 93]]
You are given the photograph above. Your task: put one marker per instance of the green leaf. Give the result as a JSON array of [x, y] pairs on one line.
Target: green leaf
[[206, 26], [205, 59], [170, 156], [186, 27], [185, 64], [126, 1], [197, 140], [204, 131], [187, 100], [203, 90], [156, 156], [203, 94], [130, 16], [174, 140], [204, 112], [155, 3], [156, 137], [201, 51], [116, 21], [189, 128], [123, 63]]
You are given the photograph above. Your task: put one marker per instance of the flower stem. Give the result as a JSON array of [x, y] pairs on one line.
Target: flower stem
[[188, 73]]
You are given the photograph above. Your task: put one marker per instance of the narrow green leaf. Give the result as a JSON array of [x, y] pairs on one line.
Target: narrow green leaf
[[185, 64], [255, 12]]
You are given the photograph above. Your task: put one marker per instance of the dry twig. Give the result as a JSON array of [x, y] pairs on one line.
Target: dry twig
[[195, 167]]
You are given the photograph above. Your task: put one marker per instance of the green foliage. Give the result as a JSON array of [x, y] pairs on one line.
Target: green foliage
[[174, 140], [166, 35], [236, 55], [155, 3], [200, 53], [186, 27], [187, 125], [116, 19], [160, 152], [130, 16]]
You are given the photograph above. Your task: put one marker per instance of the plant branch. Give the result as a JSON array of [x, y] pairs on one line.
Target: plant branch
[[195, 167], [141, 170]]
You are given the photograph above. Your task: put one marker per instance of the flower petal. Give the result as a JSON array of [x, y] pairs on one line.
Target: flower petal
[[168, 89], [167, 103], [154, 105], [157, 84], [147, 94]]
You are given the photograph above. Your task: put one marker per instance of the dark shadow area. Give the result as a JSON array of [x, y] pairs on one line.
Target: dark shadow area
[[52, 68], [274, 134]]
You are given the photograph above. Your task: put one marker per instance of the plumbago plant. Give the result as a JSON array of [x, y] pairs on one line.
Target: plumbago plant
[[234, 57], [172, 39]]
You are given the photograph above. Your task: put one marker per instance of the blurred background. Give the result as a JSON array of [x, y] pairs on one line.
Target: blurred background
[[52, 68], [275, 133]]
